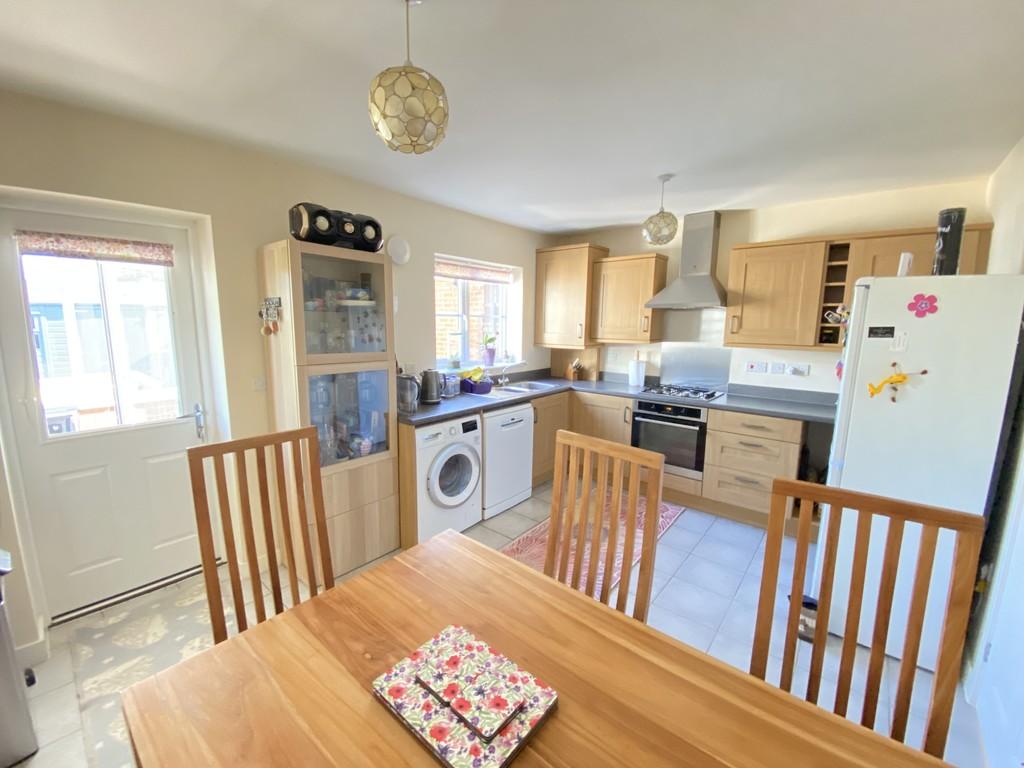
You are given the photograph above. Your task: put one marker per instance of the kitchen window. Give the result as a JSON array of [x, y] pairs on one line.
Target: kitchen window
[[477, 305]]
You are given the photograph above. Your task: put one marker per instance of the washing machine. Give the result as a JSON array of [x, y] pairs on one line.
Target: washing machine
[[448, 470]]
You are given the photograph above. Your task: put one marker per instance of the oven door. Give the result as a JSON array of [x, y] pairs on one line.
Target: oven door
[[681, 441]]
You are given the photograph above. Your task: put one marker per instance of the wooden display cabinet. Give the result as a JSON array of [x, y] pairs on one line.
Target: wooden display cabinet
[[331, 365]]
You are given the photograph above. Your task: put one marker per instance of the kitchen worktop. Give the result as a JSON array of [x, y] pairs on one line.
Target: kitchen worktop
[[786, 404]]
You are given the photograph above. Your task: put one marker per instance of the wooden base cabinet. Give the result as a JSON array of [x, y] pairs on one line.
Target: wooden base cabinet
[[550, 414], [609, 417], [744, 455]]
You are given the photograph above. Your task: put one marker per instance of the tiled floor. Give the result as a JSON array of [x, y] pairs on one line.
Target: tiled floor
[[706, 587]]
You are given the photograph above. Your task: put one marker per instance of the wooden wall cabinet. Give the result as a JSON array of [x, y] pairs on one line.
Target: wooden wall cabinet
[[562, 309], [621, 287], [781, 293], [331, 365], [774, 295], [550, 414], [609, 417]]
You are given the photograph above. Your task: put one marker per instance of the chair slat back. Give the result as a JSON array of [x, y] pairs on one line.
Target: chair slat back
[[968, 530], [303, 454], [580, 499]]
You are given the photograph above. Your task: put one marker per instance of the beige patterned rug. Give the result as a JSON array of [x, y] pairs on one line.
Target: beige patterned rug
[[126, 644]]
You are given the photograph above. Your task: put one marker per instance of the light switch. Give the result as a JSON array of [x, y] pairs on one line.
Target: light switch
[[778, 368], [799, 370], [757, 366]]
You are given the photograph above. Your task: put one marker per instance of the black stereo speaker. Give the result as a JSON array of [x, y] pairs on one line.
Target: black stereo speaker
[[317, 224]]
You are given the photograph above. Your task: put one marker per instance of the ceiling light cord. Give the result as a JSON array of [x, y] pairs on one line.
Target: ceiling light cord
[[408, 46]]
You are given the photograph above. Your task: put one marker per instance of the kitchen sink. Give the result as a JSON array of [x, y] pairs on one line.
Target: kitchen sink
[[530, 386], [518, 389]]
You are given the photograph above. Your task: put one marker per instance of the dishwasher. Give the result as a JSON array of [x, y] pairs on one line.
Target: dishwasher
[[508, 458]]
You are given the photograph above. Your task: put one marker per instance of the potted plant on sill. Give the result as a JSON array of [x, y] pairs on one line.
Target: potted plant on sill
[[490, 348]]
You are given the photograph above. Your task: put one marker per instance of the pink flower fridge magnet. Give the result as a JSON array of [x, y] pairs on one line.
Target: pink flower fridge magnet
[[923, 305]]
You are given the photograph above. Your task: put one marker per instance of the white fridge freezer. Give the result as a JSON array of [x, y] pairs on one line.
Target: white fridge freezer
[[941, 442]]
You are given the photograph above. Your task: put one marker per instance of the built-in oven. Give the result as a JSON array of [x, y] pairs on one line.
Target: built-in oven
[[677, 431]]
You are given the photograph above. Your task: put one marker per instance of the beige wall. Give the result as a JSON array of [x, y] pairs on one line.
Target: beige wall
[[54, 147], [44, 145], [1006, 201], [891, 209]]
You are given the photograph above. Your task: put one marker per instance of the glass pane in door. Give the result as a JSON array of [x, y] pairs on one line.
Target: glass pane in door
[[103, 342], [350, 413], [342, 301]]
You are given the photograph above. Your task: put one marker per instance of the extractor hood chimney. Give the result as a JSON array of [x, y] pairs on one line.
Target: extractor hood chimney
[[696, 286]]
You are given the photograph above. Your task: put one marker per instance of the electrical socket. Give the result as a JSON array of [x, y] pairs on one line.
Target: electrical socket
[[757, 366], [778, 368], [798, 370]]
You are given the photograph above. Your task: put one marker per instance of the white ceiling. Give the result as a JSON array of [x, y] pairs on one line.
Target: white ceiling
[[564, 112]]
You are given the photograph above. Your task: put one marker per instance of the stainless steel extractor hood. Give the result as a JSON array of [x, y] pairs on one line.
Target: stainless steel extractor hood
[[696, 286]]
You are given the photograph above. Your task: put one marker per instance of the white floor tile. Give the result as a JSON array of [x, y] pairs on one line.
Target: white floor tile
[[695, 521], [668, 560], [740, 622], [720, 579], [693, 602], [55, 714], [487, 536], [680, 539], [510, 524], [693, 634], [534, 508], [66, 752], [733, 532], [53, 673], [730, 555], [733, 652]]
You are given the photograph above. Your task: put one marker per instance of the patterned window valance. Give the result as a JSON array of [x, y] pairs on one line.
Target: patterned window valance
[[100, 248], [469, 270]]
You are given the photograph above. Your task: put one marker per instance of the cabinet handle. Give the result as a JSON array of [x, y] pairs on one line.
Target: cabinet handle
[[579, 330], [535, 414], [750, 445], [734, 324], [746, 480], [645, 324], [627, 415], [753, 426]]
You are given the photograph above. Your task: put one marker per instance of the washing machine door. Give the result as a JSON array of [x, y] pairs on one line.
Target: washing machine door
[[454, 475]]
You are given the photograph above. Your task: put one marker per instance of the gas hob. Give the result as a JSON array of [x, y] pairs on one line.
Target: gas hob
[[683, 392]]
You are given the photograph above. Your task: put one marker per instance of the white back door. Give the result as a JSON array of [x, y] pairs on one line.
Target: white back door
[[103, 376]]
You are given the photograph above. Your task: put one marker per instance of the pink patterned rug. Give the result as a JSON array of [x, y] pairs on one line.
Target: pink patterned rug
[[531, 547]]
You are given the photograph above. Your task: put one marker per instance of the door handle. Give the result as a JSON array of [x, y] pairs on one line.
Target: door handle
[[199, 415], [579, 330], [627, 415]]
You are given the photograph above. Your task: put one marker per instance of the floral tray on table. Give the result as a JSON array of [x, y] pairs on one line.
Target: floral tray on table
[[471, 706]]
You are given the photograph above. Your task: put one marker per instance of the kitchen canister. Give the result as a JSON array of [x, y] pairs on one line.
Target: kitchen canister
[[637, 370]]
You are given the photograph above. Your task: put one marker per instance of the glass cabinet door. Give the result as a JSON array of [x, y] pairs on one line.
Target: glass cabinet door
[[343, 303], [350, 413]]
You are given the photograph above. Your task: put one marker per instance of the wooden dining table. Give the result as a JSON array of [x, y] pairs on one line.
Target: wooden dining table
[[295, 690]]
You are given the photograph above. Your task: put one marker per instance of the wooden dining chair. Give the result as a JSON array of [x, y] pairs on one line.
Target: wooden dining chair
[[968, 530], [578, 504], [303, 456]]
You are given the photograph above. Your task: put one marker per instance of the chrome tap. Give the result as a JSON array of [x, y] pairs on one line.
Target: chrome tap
[[502, 377]]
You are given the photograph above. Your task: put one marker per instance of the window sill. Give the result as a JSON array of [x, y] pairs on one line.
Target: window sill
[[496, 368]]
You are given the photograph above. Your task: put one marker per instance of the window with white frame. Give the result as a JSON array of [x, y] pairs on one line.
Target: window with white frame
[[478, 308]]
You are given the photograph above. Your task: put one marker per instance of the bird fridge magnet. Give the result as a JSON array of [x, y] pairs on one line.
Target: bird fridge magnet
[[893, 381]]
